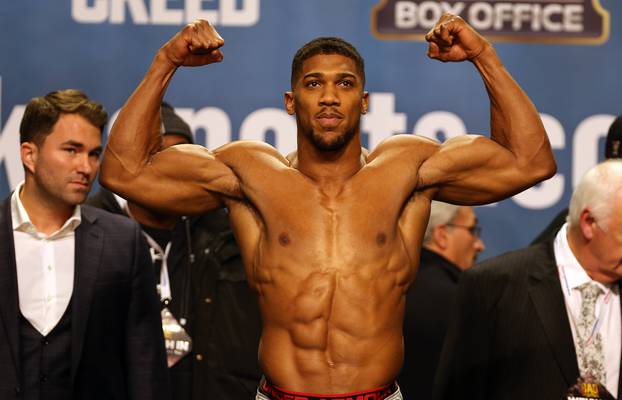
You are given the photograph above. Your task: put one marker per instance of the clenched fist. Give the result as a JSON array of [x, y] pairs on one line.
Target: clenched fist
[[196, 44], [452, 39]]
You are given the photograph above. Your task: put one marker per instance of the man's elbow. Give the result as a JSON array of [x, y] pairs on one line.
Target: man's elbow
[[544, 168], [551, 169], [105, 180], [108, 177]]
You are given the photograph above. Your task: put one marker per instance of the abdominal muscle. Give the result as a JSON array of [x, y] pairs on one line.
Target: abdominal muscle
[[333, 329]]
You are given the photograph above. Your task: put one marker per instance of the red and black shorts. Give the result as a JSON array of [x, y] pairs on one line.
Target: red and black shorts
[[267, 391]]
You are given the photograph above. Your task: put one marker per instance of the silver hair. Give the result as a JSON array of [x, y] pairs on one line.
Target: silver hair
[[440, 214], [596, 192]]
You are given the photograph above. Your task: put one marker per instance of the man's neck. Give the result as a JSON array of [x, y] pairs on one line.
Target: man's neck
[[328, 167], [46, 214], [580, 249], [432, 247]]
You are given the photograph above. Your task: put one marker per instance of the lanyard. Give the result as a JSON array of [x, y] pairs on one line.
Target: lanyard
[[598, 322], [157, 254]]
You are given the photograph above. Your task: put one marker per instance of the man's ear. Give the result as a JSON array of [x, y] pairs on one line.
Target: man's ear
[[289, 103], [587, 224], [365, 103], [29, 153], [439, 236]]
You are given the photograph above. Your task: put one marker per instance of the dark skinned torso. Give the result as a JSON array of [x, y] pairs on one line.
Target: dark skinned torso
[[331, 261]]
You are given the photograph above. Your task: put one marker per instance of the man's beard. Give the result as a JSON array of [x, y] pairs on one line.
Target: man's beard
[[333, 144]]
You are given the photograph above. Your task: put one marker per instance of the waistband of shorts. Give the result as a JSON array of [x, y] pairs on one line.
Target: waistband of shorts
[[277, 393]]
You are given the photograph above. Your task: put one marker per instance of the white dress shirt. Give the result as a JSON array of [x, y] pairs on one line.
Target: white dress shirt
[[45, 266], [572, 275]]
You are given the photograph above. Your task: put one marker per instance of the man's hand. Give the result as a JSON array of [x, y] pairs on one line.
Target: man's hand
[[197, 44], [452, 39]]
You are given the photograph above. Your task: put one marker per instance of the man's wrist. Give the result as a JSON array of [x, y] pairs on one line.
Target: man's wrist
[[163, 63], [487, 57]]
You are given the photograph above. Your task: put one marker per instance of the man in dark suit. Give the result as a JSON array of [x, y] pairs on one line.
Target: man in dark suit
[[531, 322], [79, 312], [450, 245]]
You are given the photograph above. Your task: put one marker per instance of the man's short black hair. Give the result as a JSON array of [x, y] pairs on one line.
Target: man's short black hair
[[326, 45]]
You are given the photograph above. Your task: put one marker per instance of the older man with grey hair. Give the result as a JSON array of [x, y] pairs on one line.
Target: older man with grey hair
[[612, 150], [532, 322], [450, 244]]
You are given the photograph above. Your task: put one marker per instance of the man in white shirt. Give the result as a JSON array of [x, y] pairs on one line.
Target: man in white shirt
[[531, 322], [78, 306]]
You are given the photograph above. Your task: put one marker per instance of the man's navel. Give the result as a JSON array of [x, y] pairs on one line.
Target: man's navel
[[284, 239], [381, 239]]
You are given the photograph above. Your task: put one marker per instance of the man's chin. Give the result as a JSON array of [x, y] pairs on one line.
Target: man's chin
[[77, 197], [328, 147], [330, 141]]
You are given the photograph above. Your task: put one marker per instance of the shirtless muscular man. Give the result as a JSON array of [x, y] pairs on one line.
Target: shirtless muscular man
[[331, 238]]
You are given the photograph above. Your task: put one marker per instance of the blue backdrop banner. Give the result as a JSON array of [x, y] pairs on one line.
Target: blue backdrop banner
[[565, 54]]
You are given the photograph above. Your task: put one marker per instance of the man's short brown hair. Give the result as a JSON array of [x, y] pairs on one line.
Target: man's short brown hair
[[42, 113]]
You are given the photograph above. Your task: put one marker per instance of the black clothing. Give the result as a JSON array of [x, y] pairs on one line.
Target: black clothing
[[117, 346], [210, 291], [429, 302], [510, 337], [552, 228], [161, 236], [46, 360]]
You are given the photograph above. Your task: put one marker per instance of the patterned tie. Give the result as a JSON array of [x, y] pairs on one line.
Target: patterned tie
[[590, 351]]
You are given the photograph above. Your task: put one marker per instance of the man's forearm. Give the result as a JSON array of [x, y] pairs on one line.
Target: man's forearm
[[515, 122], [135, 135]]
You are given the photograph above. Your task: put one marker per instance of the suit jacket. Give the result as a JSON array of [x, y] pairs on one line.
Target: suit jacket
[[550, 231], [117, 349], [223, 315], [510, 336], [429, 302]]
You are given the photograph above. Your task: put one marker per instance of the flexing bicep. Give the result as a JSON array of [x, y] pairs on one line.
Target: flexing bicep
[[183, 179], [472, 169]]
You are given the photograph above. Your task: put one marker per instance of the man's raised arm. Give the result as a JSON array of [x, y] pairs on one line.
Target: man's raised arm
[[181, 179], [472, 169]]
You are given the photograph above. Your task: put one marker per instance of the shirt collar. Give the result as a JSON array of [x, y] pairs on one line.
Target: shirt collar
[[22, 223], [122, 203], [572, 273]]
